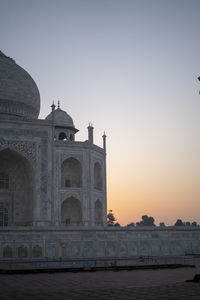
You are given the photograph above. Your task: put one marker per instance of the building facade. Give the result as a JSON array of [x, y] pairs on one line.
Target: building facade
[[53, 188], [47, 178]]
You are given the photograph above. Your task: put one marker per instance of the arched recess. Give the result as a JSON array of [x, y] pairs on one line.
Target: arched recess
[[7, 252], [98, 213], [62, 136], [16, 189], [98, 176], [71, 212], [71, 173]]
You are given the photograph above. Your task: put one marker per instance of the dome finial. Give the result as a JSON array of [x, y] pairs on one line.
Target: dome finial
[[53, 106], [58, 104], [5, 56]]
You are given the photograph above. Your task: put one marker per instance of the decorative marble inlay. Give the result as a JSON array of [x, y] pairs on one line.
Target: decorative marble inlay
[[26, 147]]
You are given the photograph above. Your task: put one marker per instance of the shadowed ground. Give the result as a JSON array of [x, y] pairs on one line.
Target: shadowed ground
[[137, 284]]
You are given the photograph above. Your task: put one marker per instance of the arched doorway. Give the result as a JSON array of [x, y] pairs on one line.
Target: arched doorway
[[16, 189], [71, 173], [98, 214], [71, 212], [97, 176], [62, 136]]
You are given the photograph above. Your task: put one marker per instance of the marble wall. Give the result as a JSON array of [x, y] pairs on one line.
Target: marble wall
[[97, 243]]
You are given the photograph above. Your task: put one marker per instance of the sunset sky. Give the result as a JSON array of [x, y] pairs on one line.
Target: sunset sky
[[130, 67]]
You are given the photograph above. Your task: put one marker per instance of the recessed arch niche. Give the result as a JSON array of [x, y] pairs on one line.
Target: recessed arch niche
[[71, 212], [16, 188], [98, 183], [71, 173], [62, 136]]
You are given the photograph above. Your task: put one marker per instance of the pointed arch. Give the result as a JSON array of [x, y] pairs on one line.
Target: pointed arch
[[17, 188], [71, 212], [71, 173], [62, 136]]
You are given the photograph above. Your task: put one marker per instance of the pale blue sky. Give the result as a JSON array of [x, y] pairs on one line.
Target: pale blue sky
[[130, 68]]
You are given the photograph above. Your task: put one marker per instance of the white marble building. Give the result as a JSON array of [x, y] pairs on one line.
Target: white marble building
[[53, 188], [46, 177]]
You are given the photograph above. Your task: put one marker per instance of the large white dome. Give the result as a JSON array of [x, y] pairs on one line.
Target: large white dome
[[19, 95]]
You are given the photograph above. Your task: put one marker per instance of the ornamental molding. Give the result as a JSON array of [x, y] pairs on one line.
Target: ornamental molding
[[27, 148], [66, 195], [99, 161], [76, 156]]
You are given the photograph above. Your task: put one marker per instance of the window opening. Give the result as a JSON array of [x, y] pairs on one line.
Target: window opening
[[97, 176], [3, 215], [62, 136], [4, 181]]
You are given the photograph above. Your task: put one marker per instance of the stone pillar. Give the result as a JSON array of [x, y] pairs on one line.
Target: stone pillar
[[52, 168], [105, 180], [104, 141], [90, 133]]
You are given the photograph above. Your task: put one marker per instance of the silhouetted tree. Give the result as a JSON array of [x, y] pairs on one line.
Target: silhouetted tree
[[187, 224], [194, 223], [147, 221], [162, 224], [110, 218], [117, 224], [132, 224], [179, 222]]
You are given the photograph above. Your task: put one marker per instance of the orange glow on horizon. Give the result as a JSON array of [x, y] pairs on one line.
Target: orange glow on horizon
[[163, 192]]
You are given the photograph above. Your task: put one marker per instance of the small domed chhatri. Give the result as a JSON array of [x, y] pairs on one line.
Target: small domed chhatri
[[64, 126], [60, 117], [19, 95]]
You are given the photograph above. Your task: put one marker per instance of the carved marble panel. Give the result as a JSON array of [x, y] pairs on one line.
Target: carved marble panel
[[28, 148]]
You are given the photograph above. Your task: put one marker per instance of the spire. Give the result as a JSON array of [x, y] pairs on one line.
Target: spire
[[199, 80], [104, 141], [58, 104], [53, 106], [90, 133]]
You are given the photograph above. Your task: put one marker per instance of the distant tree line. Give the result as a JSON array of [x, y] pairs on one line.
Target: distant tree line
[[146, 221], [179, 222]]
